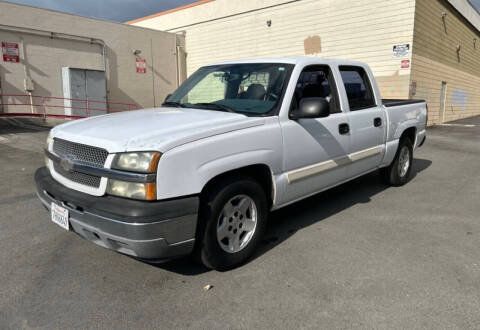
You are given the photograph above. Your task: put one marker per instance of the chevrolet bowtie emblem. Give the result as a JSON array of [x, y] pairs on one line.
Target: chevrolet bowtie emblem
[[67, 163]]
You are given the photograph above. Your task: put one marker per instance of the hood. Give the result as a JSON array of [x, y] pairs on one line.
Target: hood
[[158, 129]]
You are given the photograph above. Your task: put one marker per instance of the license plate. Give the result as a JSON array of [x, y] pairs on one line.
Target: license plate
[[60, 216]]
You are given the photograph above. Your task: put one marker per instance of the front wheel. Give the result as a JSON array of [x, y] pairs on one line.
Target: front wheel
[[398, 173], [232, 221]]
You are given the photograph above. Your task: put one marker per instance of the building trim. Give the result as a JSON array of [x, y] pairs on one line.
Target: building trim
[[194, 4], [468, 11]]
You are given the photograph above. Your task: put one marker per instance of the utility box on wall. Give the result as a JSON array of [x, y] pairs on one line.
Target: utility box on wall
[[84, 91]]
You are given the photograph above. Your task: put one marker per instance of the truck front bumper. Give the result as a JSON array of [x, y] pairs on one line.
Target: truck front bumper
[[146, 230]]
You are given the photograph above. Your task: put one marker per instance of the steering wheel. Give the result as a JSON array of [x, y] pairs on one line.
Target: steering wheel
[[271, 96]]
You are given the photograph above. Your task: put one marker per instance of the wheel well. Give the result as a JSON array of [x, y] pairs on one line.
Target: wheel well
[[410, 133], [260, 172]]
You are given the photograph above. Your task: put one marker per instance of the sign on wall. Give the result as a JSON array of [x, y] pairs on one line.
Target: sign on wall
[[405, 64], [10, 52], [401, 50], [141, 64]]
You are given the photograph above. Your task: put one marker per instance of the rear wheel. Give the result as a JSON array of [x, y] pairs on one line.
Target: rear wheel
[[232, 221], [398, 173]]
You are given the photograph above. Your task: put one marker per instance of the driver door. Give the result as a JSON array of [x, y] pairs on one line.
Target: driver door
[[315, 149]]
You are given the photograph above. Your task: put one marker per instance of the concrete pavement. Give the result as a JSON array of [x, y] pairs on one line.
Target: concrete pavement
[[361, 256]]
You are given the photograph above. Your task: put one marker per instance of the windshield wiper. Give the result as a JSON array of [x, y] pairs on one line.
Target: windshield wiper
[[172, 104], [215, 106]]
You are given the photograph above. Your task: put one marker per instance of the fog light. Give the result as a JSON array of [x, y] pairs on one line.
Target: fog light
[[145, 191]]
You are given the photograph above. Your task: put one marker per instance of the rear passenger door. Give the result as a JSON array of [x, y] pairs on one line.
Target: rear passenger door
[[367, 121]]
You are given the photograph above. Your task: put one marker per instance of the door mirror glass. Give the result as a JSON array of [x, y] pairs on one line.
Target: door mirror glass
[[311, 107]]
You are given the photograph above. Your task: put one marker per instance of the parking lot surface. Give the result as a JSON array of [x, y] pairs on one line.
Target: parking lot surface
[[360, 256]]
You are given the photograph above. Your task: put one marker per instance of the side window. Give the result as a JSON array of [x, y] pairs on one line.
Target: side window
[[358, 88], [316, 81]]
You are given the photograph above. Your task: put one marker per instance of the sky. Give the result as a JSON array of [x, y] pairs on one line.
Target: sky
[[119, 10], [111, 10]]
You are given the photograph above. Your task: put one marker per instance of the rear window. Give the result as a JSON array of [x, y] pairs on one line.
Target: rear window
[[358, 88]]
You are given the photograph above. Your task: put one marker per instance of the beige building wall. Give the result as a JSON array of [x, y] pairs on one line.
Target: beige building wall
[[47, 46], [436, 60], [217, 30]]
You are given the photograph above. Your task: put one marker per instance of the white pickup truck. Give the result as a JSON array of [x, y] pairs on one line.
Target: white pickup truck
[[200, 174]]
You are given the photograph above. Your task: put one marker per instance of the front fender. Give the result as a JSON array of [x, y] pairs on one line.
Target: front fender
[[186, 169]]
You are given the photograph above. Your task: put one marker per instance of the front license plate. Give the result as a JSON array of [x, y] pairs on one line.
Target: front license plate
[[60, 216]]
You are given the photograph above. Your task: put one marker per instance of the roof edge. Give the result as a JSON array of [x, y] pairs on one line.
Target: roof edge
[[468, 11], [194, 4]]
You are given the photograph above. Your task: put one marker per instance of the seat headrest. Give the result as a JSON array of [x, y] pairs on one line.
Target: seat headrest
[[255, 92]]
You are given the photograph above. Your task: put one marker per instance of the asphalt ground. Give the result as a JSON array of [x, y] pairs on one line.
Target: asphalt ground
[[360, 256]]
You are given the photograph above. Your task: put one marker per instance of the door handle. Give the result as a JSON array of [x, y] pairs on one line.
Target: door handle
[[343, 128], [377, 122]]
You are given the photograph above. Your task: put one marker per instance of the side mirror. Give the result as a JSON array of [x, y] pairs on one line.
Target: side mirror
[[311, 107]]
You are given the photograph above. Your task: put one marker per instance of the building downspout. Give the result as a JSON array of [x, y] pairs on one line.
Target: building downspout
[[175, 54], [26, 75]]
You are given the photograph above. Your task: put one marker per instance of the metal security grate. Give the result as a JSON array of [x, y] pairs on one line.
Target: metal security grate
[[80, 152]]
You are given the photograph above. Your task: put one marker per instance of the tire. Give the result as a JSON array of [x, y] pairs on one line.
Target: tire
[[396, 174], [229, 206]]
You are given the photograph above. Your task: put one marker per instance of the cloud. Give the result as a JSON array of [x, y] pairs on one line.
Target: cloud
[[112, 10]]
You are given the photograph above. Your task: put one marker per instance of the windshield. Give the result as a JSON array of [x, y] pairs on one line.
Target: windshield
[[251, 89]]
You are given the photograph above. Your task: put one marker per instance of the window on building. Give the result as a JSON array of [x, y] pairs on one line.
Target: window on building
[[358, 88]]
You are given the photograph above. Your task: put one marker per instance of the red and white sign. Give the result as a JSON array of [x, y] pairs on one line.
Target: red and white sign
[[405, 64], [10, 52], [141, 65]]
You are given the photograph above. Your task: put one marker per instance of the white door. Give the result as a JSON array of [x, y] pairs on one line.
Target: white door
[[78, 93], [84, 91], [96, 92], [367, 122], [314, 149]]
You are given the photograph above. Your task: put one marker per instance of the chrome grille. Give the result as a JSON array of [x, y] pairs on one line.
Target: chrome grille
[[81, 178], [80, 152]]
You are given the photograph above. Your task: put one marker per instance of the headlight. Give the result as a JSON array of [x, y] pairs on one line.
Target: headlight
[[133, 190], [142, 162]]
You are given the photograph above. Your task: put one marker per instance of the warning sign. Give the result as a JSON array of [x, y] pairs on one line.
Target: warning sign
[[405, 64], [401, 50], [10, 52], [141, 65]]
